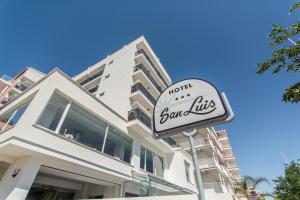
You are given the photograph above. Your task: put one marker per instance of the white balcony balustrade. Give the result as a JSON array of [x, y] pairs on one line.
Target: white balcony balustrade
[[213, 187], [206, 163], [228, 155], [232, 165], [236, 176], [200, 142]]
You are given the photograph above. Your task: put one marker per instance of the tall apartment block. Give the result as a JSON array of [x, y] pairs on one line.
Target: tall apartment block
[[11, 88], [90, 137]]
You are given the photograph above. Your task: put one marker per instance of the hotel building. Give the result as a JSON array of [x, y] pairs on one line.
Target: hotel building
[[11, 88], [90, 137]]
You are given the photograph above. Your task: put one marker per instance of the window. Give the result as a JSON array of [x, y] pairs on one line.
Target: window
[[101, 94], [12, 117], [107, 76], [151, 162], [142, 158], [187, 171], [53, 112], [118, 145], [73, 122], [83, 127]]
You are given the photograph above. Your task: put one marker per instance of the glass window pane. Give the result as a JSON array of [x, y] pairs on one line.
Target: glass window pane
[[187, 171], [12, 117], [4, 119], [118, 145], [142, 158], [83, 127], [19, 114], [149, 161], [53, 112]]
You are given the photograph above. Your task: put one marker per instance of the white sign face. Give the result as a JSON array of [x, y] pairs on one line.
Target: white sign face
[[187, 104]]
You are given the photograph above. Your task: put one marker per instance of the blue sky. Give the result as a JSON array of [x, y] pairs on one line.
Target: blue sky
[[220, 41]]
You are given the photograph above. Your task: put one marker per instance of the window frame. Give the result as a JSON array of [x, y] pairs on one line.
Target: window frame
[[64, 115], [26, 101], [154, 167], [187, 169]]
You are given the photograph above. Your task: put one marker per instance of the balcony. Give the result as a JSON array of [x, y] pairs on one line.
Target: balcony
[[228, 155], [141, 124], [21, 87], [94, 89], [139, 115], [213, 187], [142, 52], [236, 176], [226, 146], [232, 165], [145, 76], [141, 95], [9, 98], [91, 78], [200, 142], [207, 163], [5, 100]]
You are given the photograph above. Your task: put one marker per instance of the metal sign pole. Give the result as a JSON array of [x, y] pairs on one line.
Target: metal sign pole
[[199, 183]]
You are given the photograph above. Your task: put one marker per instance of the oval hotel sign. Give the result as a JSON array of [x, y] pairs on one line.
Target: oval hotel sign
[[192, 103]]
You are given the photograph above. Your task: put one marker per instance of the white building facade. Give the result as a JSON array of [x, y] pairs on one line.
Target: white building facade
[[89, 137]]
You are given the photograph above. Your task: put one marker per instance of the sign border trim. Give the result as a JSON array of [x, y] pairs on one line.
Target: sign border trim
[[178, 127]]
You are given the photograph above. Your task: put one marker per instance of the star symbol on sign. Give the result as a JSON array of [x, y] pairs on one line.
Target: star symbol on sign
[[176, 99], [182, 96], [188, 95]]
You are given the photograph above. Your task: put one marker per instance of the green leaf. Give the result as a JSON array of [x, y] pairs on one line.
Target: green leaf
[[294, 7]]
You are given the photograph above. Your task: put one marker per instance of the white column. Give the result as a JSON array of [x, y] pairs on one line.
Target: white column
[[17, 188]]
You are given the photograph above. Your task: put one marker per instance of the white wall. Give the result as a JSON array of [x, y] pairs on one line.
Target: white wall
[[16, 188], [176, 169], [117, 88]]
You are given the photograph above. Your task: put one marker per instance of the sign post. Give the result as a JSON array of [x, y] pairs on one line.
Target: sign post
[[199, 184], [188, 105]]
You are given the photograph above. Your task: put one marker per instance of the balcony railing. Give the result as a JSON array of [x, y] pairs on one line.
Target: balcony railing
[[5, 101], [207, 163], [228, 155], [138, 114], [198, 143], [171, 142], [231, 165], [91, 78], [142, 89], [141, 51], [94, 89], [216, 186], [237, 177], [226, 146], [21, 87], [142, 67]]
